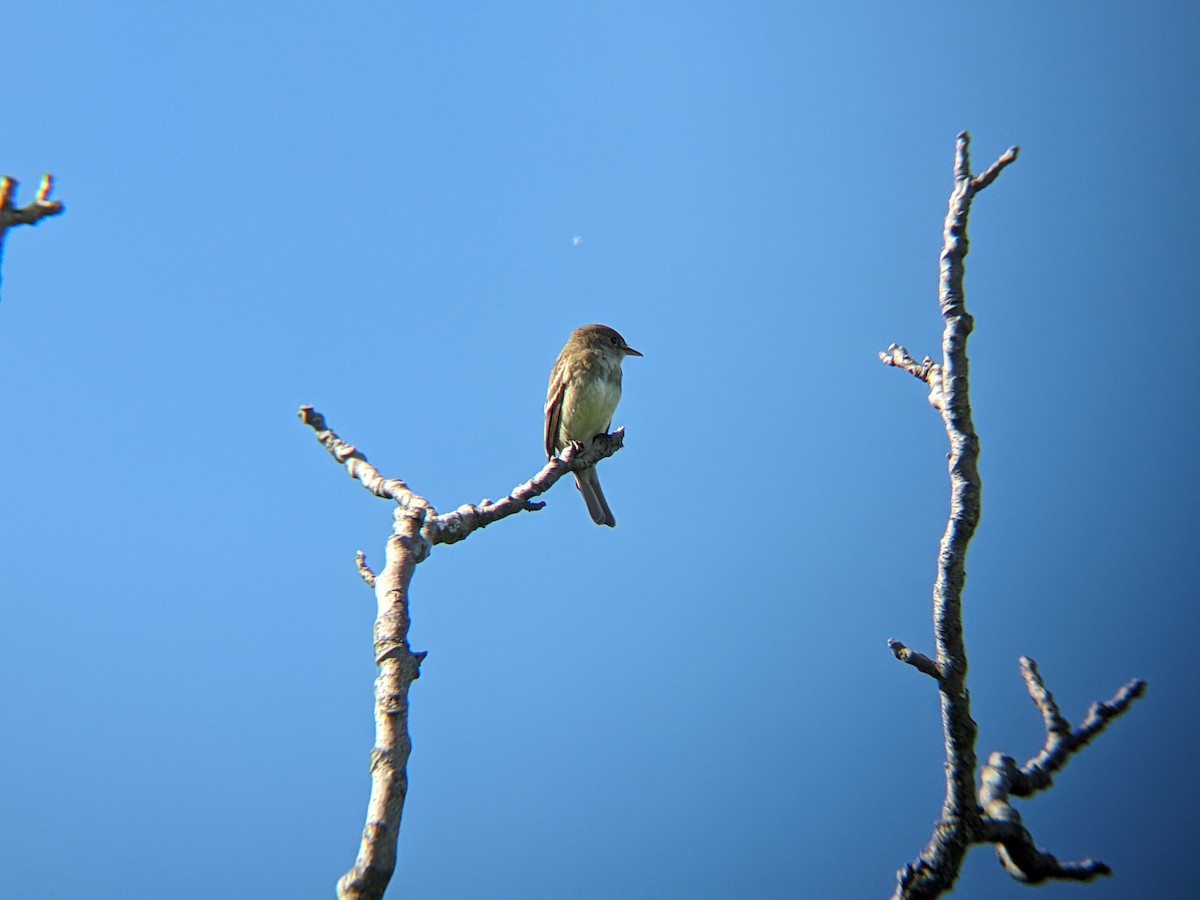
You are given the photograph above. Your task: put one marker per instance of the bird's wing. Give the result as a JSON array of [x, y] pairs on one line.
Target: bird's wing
[[554, 403]]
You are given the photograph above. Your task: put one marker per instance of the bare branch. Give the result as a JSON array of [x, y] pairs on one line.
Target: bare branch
[[1002, 779], [1100, 714], [1028, 863], [357, 466], [939, 865], [457, 525], [1056, 725], [399, 666], [417, 528], [918, 661], [926, 370], [30, 214], [979, 182], [1061, 741], [360, 561], [990, 818]]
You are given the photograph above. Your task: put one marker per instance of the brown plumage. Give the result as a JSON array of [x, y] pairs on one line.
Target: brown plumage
[[584, 389]]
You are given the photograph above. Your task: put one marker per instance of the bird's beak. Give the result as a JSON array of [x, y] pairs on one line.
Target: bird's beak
[[629, 351]]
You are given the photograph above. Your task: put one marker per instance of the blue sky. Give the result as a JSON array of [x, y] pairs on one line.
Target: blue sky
[[372, 210]]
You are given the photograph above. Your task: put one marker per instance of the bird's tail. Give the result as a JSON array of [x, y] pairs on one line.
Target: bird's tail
[[589, 485]]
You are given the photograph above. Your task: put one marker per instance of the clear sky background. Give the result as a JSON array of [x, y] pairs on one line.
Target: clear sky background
[[371, 208]]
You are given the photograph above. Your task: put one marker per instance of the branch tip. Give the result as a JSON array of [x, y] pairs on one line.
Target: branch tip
[[979, 182], [312, 418], [31, 213], [360, 561], [44, 189], [918, 661], [926, 370]]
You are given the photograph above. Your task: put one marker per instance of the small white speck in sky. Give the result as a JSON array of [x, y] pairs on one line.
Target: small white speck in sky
[[576, 240]]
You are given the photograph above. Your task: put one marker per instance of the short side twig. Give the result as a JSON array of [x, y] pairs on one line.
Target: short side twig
[[360, 561], [1009, 156], [918, 661], [926, 370]]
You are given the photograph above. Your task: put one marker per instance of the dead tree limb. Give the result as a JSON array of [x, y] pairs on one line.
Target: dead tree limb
[[417, 528], [30, 214], [983, 815]]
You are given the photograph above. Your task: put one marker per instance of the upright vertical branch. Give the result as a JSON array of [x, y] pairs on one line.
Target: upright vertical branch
[[959, 728], [960, 815], [399, 666], [31, 213], [966, 820]]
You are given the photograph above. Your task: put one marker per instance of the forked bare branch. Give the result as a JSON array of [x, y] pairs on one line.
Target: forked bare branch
[[989, 817]]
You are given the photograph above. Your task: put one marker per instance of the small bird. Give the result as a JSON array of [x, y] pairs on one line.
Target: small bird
[[585, 387]]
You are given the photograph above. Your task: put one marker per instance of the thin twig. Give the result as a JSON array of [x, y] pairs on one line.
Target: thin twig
[[360, 561], [926, 370], [979, 182], [918, 661]]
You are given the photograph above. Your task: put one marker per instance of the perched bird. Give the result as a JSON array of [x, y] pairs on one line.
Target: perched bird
[[585, 387]]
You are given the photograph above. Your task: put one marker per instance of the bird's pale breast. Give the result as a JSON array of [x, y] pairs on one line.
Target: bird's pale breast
[[588, 407]]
